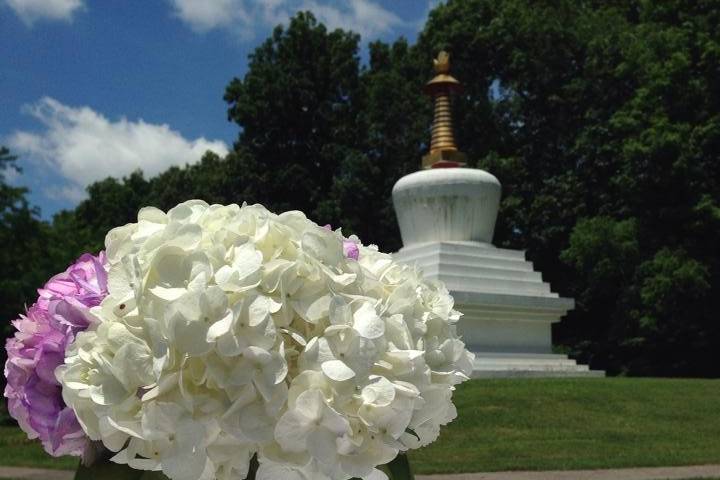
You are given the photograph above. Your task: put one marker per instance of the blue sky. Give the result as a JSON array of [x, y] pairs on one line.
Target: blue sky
[[96, 88]]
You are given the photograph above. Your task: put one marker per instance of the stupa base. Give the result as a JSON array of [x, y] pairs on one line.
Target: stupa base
[[503, 365], [508, 311]]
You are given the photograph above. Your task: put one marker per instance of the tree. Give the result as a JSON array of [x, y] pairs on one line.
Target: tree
[[392, 126], [10, 196], [662, 137], [22, 236], [608, 120], [114, 202], [601, 120], [295, 107]]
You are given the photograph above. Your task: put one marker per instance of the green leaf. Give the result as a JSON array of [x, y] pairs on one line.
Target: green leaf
[[107, 470], [252, 471], [412, 432], [398, 469], [153, 476]]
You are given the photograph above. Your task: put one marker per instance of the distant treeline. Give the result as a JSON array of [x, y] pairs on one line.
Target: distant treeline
[[600, 118]]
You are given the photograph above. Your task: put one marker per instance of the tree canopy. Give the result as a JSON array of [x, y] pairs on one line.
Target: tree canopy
[[601, 119]]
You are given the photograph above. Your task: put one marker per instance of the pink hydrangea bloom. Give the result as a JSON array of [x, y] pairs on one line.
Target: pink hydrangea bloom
[[350, 248], [38, 347]]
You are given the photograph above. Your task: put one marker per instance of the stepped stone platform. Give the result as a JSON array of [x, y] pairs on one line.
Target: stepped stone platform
[[508, 310], [501, 365]]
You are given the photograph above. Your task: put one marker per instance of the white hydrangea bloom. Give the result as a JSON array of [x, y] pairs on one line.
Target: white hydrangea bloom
[[230, 331]]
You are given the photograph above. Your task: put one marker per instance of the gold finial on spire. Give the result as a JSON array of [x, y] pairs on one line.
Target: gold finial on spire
[[443, 151], [442, 62]]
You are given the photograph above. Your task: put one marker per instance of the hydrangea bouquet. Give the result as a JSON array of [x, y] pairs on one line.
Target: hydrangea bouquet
[[226, 342]]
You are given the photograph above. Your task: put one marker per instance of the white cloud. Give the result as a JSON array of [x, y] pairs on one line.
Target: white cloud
[[84, 146], [246, 17], [30, 11], [363, 16], [71, 193], [238, 16], [207, 15]]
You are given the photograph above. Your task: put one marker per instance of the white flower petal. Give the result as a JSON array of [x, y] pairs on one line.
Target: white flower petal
[[381, 392], [291, 431], [376, 475], [312, 309], [274, 471], [220, 328], [367, 322], [340, 312], [337, 370], [321, 445], [324, 245]]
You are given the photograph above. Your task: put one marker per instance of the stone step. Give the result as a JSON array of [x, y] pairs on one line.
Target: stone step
[[472, 312], [509, 263], [538, 374], [523, 358], [485, 249], [474, 271], [463, 248], [526, 355], [492, 302], [508, 364], [474, 260], [478, 284], [537, 364], [532, 368]]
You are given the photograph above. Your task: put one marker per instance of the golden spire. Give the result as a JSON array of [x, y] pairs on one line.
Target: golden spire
[[443, 151]]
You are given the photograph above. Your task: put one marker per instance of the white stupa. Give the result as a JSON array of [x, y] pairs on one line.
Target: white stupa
[[447, 218]]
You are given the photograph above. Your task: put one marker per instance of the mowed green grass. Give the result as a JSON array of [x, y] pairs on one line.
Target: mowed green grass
[[17, 451], [542, 424], [564, 424]]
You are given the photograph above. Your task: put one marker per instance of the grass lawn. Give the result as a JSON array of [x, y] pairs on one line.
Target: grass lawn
[[17, 451], [542, 424], [566, 424]]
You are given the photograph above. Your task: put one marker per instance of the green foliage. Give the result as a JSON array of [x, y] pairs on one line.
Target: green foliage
[[392, 122], [322, 135], [295, 106], [22, 236], [670, 316], [604, 250], [9, 196], [605, 253], [607, 115], [601, 120], [399, 468], [113, 471]]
